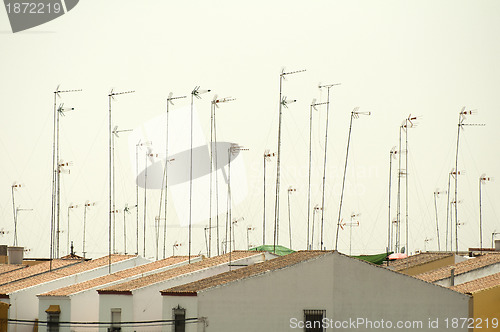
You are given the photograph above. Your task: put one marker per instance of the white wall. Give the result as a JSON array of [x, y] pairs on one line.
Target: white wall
[[345, 287], [65, 306], [147, 301], [84, 305], [111, 301], [24, 303], [189, 303]]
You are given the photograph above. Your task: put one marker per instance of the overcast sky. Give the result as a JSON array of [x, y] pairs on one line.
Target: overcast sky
[[393, 58]]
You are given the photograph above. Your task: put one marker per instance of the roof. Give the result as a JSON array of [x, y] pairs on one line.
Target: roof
[[418, 259], [60, 273], [191, 289], [127, 287], [478, 285], [460, 268], [4, 268], [33, 270], [117, 276]]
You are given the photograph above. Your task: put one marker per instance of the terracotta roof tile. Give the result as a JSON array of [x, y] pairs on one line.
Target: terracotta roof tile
[[60, 273], [460, 268], [249, 271], [129, 286], [30, 271], [478, 285], [117, 276], [4, 268], [416, 260]]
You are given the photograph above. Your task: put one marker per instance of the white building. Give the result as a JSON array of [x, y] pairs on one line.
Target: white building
[[306, 287], [78, 302], [140, 299], [464, 271], [21, 294]]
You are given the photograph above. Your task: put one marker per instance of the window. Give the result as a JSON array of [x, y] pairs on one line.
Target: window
[[53, 314], [313, 320], [179, 315]]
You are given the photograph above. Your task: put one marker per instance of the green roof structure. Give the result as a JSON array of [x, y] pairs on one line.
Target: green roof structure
[[375, 259], [280, 250]]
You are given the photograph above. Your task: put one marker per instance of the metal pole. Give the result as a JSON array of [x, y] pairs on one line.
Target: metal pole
[[166, 189], [398, 210], [229, 206], [190, 181], [456, 185], [406, 187], [15, 216], [54, 179], [84, 228], [309, 179], [209, 246], [145, 204], [277, 199], [343, 181], [58, 192], [389, 244], [324, 170], [448, 211], [67, 243], [264, 207], [124, 232], [480, 217], [289, 220], [113, 193], [437, 222], [110, 187], [216, 186], [137, 197]]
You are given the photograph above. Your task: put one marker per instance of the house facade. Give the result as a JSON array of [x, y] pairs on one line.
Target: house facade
[[312, 287]]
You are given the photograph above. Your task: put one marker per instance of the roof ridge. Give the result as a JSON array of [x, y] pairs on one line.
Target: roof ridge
[[246, 272]]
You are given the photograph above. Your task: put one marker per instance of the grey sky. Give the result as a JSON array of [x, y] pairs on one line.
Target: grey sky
[[393, 58]]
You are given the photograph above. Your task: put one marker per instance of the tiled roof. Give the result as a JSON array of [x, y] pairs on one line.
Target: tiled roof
[[60, 273], [34, 270], [416, 260], [4, 268], [460, 268], [117, 276], [127, 287], [477, 285], [249, 271]]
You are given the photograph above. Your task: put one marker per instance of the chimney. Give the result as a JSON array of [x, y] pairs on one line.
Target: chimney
[[3, 254], [497, 245], [452, 277], [16, 255]]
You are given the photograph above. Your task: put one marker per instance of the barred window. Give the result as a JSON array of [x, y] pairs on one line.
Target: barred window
[[179, 319], [313, 320]]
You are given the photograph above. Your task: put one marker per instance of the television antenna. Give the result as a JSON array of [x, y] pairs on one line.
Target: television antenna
[[70, 206], [55, 197], [111, 97], [283, 102], [213, 164], [482, 179], [267, 158], [137, 146], [86, 206], [195, 93], [354, 115], [312, 107], [462, 116]]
